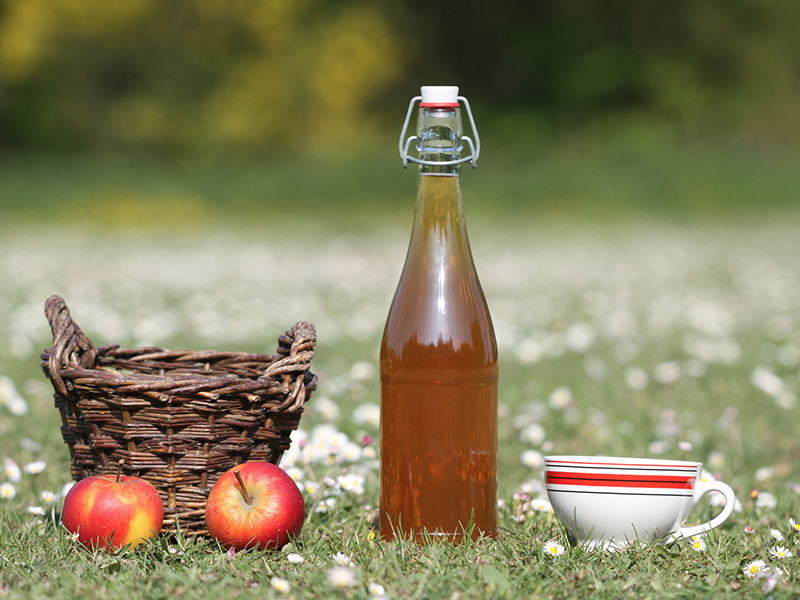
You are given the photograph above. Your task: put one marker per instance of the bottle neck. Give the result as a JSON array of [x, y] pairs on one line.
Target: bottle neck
[[439, 131]]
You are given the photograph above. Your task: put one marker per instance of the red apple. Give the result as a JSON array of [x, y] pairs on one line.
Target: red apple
[[112, 512], [255, 505]]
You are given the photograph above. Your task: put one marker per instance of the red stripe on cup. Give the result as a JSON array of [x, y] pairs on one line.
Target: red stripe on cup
[[618, 480]]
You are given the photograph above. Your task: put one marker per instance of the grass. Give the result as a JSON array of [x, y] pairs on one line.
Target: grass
[[652, 329], [598, 180]]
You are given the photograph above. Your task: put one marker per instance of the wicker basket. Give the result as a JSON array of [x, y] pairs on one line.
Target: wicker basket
[[178, 419]]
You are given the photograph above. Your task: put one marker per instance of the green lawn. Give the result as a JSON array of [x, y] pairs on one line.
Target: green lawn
[[646, 304], [588, 180]]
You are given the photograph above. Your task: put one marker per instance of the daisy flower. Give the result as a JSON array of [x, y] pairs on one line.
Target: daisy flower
[[295, 558], [553, 548], [776, 535], [12, 470], [325, 506], [48, 497], [766, 500], [376, 589], [311, 487], [351, 482], [341, 577], [756, 568], [541, 505], [280, 585], [343, 560], [35, 467], [7, 490], [532, 458], [698, 544], [780, 552], [794, 525]]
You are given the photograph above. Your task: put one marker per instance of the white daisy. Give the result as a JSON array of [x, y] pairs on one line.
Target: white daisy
[[376, 589], [7, 490], [766, 500], [295, 558], [755, 568], [341, 577], [541, 505], [553, 548], [794, 525], [533, 434], [698, 544], [764, 474], [325, 506], [351, 482], [780, 552], [532, 459], [12, 470], [561, 398], [280, 585], [367, 414], [342, 559], [297, 474], [35, 467], [776, 535]]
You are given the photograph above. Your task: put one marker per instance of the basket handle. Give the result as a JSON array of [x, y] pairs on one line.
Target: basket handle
[[70, 345]]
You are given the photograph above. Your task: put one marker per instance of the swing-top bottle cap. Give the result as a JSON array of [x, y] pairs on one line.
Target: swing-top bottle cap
[[439, 96]]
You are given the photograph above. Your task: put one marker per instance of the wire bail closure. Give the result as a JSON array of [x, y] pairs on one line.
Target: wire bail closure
[[475, 147]]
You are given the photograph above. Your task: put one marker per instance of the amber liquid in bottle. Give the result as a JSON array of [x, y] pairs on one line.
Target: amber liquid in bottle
[[438, 382]]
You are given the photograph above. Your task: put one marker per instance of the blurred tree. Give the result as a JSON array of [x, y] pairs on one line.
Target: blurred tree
[[242, 75], [706, 66]]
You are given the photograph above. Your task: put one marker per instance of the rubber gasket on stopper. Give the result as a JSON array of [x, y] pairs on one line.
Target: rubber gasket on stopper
[[439, 96]]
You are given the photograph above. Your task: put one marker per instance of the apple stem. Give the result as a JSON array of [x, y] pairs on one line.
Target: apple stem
[[242, 489], [119, 469]]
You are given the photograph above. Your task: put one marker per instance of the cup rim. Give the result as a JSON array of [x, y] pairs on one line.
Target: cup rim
[[600, 460]]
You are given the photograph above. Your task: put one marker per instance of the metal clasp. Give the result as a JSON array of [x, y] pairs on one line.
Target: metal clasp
[[475, 147]]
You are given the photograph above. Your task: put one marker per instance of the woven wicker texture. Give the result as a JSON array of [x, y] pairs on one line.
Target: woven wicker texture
[[178, 419]]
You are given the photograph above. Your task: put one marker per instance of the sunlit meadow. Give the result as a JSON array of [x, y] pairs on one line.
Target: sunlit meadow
[[643, 341]]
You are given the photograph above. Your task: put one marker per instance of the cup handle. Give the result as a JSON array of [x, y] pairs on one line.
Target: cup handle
[[703, 488]]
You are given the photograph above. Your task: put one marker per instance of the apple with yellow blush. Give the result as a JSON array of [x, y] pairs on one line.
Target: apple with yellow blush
[[113, 512], [255, 505]]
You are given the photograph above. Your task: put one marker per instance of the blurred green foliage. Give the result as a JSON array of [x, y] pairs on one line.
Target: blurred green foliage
[[273, 76], [189, 75]]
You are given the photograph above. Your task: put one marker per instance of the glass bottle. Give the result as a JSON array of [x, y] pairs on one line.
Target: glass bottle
[[438, 354]]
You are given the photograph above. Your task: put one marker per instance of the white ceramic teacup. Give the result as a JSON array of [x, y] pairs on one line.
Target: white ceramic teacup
[[611, 501]]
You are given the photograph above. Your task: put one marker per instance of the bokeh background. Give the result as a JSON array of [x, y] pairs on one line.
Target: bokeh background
[[205, 173], [193, 111]]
